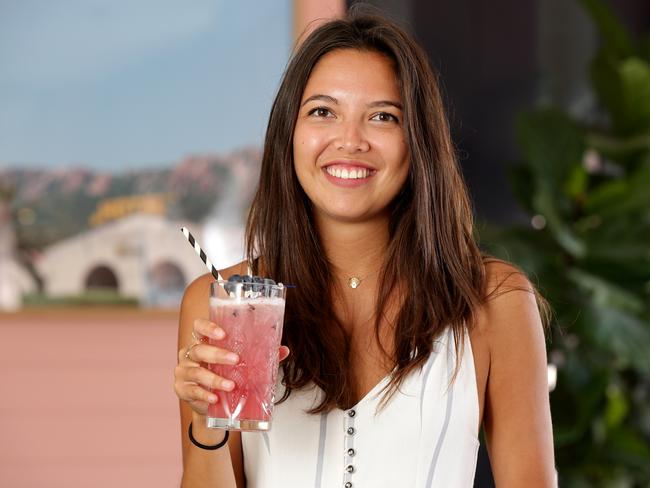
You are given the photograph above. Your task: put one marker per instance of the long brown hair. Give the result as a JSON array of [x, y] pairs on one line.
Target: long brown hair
[[431, 255]]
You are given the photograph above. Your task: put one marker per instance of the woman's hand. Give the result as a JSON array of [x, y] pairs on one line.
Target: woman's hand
[[193, 381]]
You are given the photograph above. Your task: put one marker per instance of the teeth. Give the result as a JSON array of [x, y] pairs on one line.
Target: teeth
[[346, 174]]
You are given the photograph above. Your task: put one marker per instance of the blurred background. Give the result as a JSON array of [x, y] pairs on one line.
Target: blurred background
[[121, 122]]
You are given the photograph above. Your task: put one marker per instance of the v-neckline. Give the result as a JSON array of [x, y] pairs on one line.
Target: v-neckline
[[372, 392]]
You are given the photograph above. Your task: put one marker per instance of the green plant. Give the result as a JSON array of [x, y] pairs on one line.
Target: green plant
[[587, 184]]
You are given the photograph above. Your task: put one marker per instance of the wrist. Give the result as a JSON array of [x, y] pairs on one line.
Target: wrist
[[206, 447], [202, 433]]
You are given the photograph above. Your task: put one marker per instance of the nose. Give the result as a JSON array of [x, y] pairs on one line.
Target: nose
[[351, 138]]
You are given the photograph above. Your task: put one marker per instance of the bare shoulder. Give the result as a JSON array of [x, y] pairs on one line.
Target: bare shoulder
[[508, 294], [501, 275], [509, 298], [197, 290]]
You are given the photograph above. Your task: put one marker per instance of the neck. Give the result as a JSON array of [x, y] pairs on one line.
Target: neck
[[354, 248]]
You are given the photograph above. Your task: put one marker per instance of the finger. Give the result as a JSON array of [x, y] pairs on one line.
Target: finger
[[207, 379], [284, 352], [207, 353], [208, 329], [199, 407], [193, 393], [183, 354]]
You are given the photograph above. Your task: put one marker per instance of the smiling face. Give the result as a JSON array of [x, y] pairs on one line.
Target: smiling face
[[349, 150]]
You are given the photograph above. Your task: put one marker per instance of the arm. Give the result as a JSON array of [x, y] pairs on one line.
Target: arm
[[223, 467], [517, 421]]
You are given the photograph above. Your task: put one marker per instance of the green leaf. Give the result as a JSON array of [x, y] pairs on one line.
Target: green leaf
[[635, 79], [514, 245], [552, 145], [620, 332], [629, 448], [615, 37], [617, 406], [621, 196], [545, 204], [606, 79], [577, 182], [618, 147], [574, 414], [606, 294], [623, 86]]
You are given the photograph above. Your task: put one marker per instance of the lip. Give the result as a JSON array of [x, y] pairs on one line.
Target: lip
[[348, 164]]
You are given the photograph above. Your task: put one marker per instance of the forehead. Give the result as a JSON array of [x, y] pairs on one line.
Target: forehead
[[366, 74]]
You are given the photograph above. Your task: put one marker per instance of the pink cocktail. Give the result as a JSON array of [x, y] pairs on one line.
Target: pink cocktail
[[251, 316]]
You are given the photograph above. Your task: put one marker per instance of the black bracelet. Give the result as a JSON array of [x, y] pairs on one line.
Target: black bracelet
[[203, 446]]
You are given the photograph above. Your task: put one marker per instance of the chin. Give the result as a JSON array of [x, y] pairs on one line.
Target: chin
[[349, 216]]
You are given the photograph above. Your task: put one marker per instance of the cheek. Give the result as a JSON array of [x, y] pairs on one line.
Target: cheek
[[300, 144], [298, 147], [302, 156], [402, 160], [397, 156], [309, 139]]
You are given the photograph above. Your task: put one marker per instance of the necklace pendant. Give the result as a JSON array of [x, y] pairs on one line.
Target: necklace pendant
[[354, 282]]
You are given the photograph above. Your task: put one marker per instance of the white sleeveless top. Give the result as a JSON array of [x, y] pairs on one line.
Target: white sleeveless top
[[426, 436]]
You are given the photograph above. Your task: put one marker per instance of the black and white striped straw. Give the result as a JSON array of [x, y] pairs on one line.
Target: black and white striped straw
[[201, 254]]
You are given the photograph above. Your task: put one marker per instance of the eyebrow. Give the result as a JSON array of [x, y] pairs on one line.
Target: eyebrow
[[378, 103]]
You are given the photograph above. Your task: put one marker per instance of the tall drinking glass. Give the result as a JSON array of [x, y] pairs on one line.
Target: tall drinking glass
[[251, 314]]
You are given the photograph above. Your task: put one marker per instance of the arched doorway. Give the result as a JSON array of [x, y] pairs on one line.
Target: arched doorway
[[101, 278], [167, 283]]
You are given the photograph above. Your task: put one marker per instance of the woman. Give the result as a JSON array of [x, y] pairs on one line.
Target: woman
[[404, 340]]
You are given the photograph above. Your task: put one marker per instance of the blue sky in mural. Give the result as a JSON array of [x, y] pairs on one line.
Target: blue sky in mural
[[112, 85]]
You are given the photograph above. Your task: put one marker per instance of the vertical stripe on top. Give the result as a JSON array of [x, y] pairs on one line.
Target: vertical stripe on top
[[445, 425], [425, 376], [321, 450], [267, 441]]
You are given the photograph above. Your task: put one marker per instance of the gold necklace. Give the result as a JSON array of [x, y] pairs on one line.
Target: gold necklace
[[355, 281]]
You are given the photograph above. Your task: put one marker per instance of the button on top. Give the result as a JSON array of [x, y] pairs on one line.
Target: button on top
[[350, 469], [350, 430], [348, 485], [351, 413], [351, 452]]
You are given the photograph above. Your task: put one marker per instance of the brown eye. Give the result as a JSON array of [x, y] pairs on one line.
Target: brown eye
[[320, 112], [385, 117]]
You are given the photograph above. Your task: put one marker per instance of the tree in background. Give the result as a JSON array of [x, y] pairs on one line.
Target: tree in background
[[586, 185]]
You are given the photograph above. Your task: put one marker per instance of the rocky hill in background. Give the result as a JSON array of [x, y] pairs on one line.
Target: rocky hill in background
[[52, 204]]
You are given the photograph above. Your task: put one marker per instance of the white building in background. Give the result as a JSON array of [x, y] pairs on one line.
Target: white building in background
[[142, 256], [15, 281]]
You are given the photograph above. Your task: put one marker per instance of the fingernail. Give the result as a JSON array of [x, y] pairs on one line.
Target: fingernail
[[228, 385], [218, 334], [212, 399], [232, 357]]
